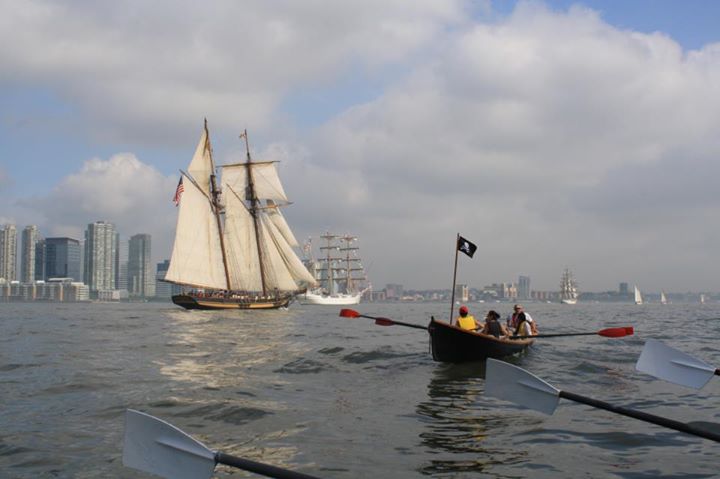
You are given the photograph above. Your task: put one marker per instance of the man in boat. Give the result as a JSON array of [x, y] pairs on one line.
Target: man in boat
[[466, 320], [519, 320], [493, 326]]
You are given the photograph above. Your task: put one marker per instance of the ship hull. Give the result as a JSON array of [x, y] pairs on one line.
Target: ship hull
[[330, 300], [451, 344], [220, 303], [569, 301]]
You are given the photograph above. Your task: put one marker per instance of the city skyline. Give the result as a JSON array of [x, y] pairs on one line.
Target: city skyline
[[551, 134]]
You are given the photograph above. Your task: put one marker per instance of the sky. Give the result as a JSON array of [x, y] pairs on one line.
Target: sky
[[551, 134]]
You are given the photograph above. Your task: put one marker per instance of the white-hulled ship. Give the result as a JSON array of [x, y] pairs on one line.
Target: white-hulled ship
[[338, 271], [568, 288]]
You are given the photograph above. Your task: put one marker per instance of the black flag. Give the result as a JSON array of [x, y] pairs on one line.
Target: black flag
[[466, 247]]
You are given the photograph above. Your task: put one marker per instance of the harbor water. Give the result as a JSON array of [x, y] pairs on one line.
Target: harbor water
[[307, 390]]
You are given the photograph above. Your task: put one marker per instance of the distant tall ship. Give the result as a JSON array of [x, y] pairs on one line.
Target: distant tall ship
[[663, 298], [338, 271], [233, 248], [568, 288], [638, 296]]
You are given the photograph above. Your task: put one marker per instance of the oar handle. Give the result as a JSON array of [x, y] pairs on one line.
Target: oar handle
[[409, 325], [642, 416], [259, 468]]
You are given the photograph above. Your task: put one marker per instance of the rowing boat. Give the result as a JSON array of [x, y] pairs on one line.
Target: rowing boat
[[452, 344]]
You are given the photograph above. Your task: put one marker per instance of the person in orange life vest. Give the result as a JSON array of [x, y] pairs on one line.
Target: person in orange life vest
[[493, 326], [521, 322], [466, 320]]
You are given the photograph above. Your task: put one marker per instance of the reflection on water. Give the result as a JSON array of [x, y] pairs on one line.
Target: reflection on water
[[458, 420]]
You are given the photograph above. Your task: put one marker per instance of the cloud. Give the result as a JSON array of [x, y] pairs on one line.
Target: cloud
[[121, 190], [550, 139]]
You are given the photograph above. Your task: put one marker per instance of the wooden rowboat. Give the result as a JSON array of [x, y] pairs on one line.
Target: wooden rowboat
[[452, 344]]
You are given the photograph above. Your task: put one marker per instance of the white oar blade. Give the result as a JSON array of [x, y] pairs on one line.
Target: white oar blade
[[157, 447], [660, 360], [514, 384]]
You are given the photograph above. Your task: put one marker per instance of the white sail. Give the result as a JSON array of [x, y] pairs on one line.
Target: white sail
[[241, 245], [196, 258], [638, 296], [285, 264], [663, 298], [201, 166], [273, 212], [265, 181]]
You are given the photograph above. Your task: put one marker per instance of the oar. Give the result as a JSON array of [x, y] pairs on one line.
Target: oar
[[157, 447], [608, 333], [351, 313], [664, 362], [505, 381]]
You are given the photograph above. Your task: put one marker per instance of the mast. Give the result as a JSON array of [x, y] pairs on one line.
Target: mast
[[328, 260], [215, 200], [254, 209]]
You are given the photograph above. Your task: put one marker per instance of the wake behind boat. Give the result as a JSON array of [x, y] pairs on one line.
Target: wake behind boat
[[233, 248], [339, 272]]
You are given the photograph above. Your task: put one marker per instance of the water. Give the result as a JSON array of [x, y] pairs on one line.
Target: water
[[307, 390]]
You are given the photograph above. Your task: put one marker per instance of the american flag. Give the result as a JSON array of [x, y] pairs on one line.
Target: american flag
[[178, 192]]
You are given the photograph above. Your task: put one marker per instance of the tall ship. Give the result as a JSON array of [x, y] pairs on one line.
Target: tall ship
[[638, 296], [338, 271], [663, 298], [233, 248], [568, 288]]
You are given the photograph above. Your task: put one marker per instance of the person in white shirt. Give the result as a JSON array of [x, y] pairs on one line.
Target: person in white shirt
[[520, 322]]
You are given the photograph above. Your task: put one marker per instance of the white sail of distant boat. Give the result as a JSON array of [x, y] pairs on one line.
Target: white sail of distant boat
[[638, 296], [339, 272], [233, 248], [663, 298], [702, 299], [568, 288]]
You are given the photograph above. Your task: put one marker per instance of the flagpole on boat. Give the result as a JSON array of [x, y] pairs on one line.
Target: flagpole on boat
[[452, 301]]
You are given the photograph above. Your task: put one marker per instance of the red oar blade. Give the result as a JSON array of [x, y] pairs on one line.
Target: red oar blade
[[349, 313], [617, 332], [384, 322]]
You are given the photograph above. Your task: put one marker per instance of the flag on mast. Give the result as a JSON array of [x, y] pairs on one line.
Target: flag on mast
[[466, 246], [178, 192]]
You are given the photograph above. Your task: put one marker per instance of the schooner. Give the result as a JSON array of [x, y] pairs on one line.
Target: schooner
[[233, 248]]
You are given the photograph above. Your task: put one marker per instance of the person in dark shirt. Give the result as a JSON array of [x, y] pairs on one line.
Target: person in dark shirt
[[493, 326]]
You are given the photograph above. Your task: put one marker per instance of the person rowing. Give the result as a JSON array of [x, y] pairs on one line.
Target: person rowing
[[493, 326], [466, 320], [520, 322]]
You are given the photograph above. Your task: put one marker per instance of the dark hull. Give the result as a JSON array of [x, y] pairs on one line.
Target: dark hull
[[452, 344], [215, 303]]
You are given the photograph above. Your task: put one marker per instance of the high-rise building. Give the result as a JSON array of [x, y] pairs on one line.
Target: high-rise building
[[523, 288], [623, 289], [141, 280], [162, 288], [40, 260], [121, 264], [100, 256], [62, 258], [27, 258], [8, 253]]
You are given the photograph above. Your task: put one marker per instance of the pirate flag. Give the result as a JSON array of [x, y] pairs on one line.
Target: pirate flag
[[465, 246]]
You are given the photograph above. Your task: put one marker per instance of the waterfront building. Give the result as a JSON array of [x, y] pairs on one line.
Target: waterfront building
[[523, 288], [27, 256], [141, 280], [62, 258], [121, 264], [40, 259], [8, 253], [100, 257]]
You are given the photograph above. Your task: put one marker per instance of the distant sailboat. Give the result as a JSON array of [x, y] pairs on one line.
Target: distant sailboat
[[702, 299], [663, 298], [638, 296], [568, 288]]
